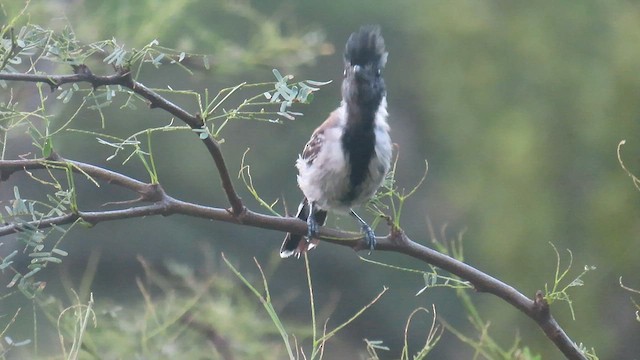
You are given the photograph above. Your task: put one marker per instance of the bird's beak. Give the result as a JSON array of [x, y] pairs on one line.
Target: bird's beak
[[358, 72]]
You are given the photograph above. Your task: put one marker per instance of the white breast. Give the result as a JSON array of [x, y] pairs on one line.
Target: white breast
[[326, 180]]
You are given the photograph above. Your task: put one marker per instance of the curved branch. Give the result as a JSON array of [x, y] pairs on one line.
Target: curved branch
[[537, 309], [163, 204], [123, 78], [397, 241]]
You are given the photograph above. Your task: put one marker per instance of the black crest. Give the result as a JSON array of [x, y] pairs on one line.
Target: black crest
[[366, 46]]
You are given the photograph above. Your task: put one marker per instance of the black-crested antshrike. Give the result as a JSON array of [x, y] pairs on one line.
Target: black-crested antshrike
[[349, 154]]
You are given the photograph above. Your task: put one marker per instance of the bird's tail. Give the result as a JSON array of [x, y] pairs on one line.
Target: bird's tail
[[294, 244]]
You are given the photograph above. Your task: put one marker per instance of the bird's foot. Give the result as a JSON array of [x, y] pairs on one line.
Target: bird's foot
[[369, 237], [312, 228]]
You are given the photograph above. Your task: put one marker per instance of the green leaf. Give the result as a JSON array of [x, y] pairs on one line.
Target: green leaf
[[318, 83], [67, 97], [22, 343], [59, 252], [62, 95], [40, 254], [14, 280], [47, 148], [46, 259], [31, 273], [277, 74], [6, 262], [157, 60]]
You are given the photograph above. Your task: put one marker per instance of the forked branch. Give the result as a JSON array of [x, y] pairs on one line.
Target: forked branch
[[123, 78], [396, 241], [153, 200]]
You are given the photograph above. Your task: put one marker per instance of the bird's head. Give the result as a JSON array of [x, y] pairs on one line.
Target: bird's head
[[364, 59]]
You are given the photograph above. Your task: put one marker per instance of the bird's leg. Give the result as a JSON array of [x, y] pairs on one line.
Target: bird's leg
[[369, 235], [312, 225]]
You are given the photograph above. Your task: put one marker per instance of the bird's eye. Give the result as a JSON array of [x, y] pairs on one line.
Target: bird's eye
[[378, 72], [344, 73]]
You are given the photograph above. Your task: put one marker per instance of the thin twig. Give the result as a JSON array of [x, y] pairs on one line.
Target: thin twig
[[123, 77]]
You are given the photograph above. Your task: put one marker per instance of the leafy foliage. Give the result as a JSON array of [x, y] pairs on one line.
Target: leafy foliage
[[559, 291], [27, 50]]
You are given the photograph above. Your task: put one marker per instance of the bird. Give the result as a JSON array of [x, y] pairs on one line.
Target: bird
[[349, 154]]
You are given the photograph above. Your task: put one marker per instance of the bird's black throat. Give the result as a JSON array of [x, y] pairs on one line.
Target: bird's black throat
[[358, 142]]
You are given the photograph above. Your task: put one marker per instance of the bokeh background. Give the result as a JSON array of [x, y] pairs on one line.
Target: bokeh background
[[517, 106]]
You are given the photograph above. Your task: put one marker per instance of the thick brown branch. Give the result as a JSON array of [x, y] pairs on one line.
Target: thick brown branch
[[124, 78], [537, 309], [397, 241], [163, 204]]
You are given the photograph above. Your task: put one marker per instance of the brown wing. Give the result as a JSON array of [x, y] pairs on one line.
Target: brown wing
[[312, 148]]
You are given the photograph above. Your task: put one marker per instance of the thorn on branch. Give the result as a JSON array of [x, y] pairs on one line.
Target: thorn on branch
[[124, 202], [150, 193]]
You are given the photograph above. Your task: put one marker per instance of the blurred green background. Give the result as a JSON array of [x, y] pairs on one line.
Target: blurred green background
[[517, 106]]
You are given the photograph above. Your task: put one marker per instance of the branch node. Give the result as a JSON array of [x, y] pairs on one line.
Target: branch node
[[541, 308], [397, 235], [54, 156], [84, 218], [82, 69], [126, 79], [239, 215], [199, 119], [153, 193]]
